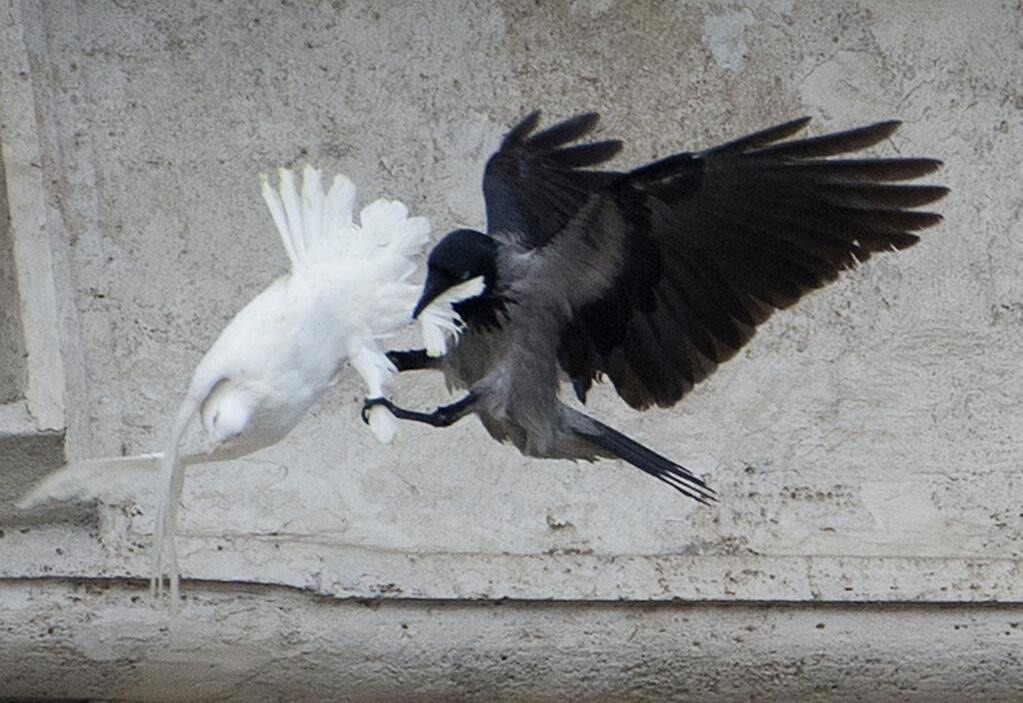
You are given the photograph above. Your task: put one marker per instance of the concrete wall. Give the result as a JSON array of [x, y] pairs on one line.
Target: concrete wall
[[865, 446]]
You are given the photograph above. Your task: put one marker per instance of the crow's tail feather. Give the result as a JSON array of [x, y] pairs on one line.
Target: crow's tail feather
[[662, 468]]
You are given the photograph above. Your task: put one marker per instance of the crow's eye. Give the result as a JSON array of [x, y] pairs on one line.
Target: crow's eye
[[465, 275]]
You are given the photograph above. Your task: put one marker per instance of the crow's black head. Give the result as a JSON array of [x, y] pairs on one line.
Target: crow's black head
[[462, 255]]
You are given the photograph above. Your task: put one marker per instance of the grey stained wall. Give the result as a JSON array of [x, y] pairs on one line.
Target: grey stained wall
[[866, 445]]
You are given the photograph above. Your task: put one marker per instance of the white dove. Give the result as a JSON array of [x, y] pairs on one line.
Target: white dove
[[347, 290]]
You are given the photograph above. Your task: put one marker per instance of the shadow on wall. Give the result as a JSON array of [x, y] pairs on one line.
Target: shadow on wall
[[12, 344]]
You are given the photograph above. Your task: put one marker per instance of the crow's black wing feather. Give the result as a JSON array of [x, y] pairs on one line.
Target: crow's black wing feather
[[534, 186], [720, 239]]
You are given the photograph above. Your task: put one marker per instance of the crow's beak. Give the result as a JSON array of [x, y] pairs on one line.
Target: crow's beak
[[435, 285]]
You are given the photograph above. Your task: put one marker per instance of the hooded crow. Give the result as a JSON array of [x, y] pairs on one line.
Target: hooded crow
[[650, 277]]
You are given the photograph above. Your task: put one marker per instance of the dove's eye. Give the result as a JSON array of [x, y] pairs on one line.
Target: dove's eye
[[213, 422]]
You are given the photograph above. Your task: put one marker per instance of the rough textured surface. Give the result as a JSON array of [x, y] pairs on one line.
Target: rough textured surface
[[865, 445], [231, 644]]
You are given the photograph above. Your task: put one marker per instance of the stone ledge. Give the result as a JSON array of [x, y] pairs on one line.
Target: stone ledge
[[228, 643], [339, 571]]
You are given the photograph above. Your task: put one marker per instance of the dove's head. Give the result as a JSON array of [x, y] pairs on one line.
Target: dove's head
[[461, 256], [225, 414]]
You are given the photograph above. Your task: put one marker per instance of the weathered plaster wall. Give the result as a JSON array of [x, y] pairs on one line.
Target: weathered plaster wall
[[866, 445]]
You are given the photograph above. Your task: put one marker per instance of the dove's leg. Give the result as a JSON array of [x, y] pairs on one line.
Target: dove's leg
[[412, 360], [443, 416]]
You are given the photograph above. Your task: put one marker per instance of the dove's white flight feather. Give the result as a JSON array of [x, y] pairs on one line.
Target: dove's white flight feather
[[346, 290]]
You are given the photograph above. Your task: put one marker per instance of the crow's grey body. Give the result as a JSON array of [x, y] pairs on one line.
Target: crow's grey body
[[513, 370], [651, 277]]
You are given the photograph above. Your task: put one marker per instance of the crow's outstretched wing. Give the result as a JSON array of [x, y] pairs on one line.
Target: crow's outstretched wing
[[534, 186], [714, 241]]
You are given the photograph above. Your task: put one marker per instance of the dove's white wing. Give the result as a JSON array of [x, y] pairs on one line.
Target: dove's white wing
[[87, 480]]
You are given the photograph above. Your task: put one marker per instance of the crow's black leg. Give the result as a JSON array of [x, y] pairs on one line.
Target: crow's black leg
[[412, 360], [443, 416]]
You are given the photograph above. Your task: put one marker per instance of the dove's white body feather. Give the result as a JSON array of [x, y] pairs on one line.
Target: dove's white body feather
[[283, 349], [346, 291]]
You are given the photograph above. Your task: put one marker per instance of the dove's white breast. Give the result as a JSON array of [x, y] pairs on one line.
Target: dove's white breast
[[282, 349]]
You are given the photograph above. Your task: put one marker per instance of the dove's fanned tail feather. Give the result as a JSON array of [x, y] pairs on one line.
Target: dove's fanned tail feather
[[338, 210], [314, 227], [312, 210], [388, 230], [293, 210], [280, 219]]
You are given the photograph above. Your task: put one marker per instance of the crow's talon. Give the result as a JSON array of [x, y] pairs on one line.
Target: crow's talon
[[371, 403]]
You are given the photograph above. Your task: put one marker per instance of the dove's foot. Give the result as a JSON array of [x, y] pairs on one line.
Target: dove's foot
[[441, 417]]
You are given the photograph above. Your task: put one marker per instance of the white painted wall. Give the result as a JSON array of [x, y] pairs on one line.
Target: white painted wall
[[865, 445]]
